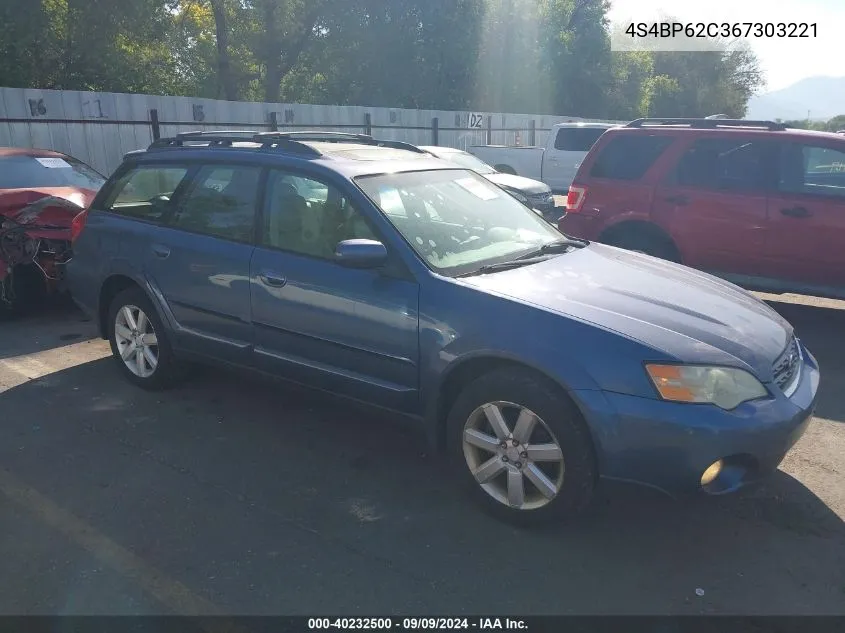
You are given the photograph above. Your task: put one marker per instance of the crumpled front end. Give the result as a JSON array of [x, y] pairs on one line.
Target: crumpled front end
[[34, 246]]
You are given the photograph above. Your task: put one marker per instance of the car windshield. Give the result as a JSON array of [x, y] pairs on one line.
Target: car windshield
[[467, 160], [23, 172], [456, 220]]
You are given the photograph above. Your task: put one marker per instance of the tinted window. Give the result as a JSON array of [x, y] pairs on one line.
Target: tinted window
[[629, 157], [812, 169], [145, 192], [725, 165], [19, 172], [309, 217], [221, 202], [577, 139]]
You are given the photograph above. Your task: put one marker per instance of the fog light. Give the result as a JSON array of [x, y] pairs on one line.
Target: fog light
[[712, 472]]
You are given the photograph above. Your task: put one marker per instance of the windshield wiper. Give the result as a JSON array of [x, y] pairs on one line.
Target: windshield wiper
[[532, 257], [514, 263], [558, 246]]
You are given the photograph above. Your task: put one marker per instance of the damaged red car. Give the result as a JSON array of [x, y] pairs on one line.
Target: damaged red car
[[41, 192]]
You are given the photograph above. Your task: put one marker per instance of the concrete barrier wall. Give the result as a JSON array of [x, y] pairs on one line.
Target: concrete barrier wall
[[99, 128]]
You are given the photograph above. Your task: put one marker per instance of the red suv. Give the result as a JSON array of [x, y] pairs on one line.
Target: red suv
[[750, 201]]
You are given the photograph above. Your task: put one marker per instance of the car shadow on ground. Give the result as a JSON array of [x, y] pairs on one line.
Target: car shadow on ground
[[264, 454], [54, 324], [821, 329]]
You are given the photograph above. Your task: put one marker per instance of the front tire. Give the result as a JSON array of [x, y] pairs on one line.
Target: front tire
[[521, 448], [139, 343]]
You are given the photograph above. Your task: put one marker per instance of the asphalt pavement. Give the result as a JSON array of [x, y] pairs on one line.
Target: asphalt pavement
[[232, 495]]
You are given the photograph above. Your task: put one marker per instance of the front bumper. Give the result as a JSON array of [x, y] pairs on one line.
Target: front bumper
[[668, 446]]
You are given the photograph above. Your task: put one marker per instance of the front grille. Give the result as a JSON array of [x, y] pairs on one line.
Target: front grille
[[788, 366]]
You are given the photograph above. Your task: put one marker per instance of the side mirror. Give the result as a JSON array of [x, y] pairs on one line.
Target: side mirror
[[360, 254]]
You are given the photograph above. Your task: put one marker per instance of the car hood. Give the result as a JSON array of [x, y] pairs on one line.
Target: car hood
[[519, 183], [687, 314], [18, 198]]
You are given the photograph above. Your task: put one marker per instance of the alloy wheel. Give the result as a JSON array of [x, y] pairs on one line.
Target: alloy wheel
[[136, 341], [513, 455]]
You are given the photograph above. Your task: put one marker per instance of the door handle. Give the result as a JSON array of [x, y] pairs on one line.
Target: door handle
[[796, 212], [161, 251], [681, 200], [272, 279]]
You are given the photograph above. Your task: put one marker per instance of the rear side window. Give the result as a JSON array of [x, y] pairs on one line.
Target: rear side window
[[145, 192], [577, 139], [726, 165], [221, 202], [629, 157]]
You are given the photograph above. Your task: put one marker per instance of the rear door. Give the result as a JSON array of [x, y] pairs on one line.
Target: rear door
[[563, 157], [714, 202], [199, 260], [807, 214]]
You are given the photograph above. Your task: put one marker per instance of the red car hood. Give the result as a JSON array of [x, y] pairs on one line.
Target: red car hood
[[13, 201]]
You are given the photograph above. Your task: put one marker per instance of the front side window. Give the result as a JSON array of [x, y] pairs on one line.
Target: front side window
[[812, 169], [457, 220], [221, 201], [725, 165], [309, 217], [145, 192]]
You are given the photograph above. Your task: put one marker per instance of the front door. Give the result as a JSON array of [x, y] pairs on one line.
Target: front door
[[807, 215], [350, 331], [714, 204]]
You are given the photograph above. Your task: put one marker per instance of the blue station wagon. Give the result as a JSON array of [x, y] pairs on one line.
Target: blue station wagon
[[373, 271]]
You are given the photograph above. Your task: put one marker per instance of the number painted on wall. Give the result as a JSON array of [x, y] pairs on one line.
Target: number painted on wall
[[476, 121], [93, 109]]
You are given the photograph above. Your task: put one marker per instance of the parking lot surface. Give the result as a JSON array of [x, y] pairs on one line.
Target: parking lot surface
[[241, 496]]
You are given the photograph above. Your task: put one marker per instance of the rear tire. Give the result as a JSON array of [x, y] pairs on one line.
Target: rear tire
[[538, 467], [139, 342]]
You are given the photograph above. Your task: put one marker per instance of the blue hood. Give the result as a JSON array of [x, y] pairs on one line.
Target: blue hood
[[684, 313]]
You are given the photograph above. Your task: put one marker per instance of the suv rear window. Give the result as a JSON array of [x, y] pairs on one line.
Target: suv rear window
[[577, 139], [628, 157]]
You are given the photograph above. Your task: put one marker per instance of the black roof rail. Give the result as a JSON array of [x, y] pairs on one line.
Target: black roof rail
[[293, 142], [335, 137], [212, 138], [317, 135], [708, 123]]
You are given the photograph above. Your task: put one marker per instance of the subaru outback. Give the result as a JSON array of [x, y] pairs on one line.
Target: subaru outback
[[376, 272]]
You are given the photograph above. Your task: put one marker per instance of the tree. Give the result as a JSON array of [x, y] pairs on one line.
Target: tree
[[577, 55]]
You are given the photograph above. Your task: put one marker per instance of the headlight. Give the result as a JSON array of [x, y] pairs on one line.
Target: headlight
[[726, 387]]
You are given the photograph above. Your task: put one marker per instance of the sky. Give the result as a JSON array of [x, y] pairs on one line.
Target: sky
[[784, 61]]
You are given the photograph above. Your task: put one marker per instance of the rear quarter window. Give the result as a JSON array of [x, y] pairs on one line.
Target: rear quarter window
[[144, 192], [577, 139], [629, 156]]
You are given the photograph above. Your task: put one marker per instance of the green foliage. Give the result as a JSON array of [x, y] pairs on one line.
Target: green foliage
[[833, 125], [533, 56]]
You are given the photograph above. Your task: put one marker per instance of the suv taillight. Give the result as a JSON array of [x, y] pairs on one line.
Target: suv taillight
[[575, 198], [77, 224]]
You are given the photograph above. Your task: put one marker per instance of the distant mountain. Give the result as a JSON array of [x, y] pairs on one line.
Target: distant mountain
[[823, 97]]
